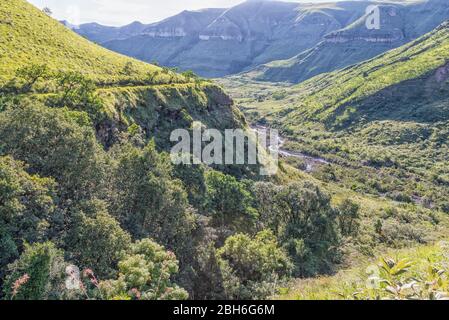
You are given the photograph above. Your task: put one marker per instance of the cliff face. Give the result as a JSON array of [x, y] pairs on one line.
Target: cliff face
[[393, 19], [399, 23], [219, 42], [187, 23]]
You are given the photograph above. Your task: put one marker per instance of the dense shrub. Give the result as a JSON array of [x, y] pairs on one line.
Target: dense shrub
[[55, 143], [37, 275], [148, 201], [145, 273], [302, 217], [229, 202], [250, 267], [27, 208], [95, 240]]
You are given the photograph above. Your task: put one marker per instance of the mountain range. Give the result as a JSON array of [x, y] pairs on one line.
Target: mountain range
[[273, 40]]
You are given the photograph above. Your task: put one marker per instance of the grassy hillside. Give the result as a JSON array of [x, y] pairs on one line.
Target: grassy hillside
[[28, 36], [123, 92], [343, 98], [420, 273]]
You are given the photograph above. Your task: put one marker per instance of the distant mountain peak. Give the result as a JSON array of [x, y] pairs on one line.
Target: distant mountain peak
[[217, 42]]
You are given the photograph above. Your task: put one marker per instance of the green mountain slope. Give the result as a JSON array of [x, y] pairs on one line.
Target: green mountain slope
[[408, 83], [129, 92], [28, 36]]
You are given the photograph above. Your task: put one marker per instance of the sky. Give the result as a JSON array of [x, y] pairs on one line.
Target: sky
[[121, 12]]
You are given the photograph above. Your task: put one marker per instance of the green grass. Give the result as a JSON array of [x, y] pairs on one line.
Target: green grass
[[131, 92], [382, 125], [347, 283], [28, 36], [161, 109], [329, 98], [385, 223]]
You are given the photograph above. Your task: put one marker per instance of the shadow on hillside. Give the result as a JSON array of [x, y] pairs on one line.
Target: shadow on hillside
[[423, 100]]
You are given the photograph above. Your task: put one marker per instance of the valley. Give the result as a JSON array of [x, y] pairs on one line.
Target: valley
[[90, 194]]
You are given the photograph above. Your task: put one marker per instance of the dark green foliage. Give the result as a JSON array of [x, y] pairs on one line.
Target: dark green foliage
[[301, 216], [96, 240], [229, 202], [349, 218], [111, 211], [54, 143], [194, 179], [77, 92], [27, 77], [147, 200], [37, 275], [249, 266], [207, 283], [26, 209]]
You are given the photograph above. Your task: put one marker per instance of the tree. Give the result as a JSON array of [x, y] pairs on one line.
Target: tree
[[349, 218], [308, 228], [96, 239], [47, 11], [207, 280], [77, 92], [55, 143], [26, 209], [129, 69], [302, 217], [265, 195], [193, 177], [145, 273], [229, 202], [148, 201], [189, 75], [250, 264], [28, 76], [37, 275]]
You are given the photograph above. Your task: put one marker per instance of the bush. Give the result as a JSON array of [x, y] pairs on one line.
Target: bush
[[229, 202], [55, 143], [349, 218], [37, 275], [306, 224], [248, 264], [145, 273], [96, 239], [148, 201], [27, 206]]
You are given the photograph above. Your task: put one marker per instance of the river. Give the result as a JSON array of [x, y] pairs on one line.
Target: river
[[310, 161]]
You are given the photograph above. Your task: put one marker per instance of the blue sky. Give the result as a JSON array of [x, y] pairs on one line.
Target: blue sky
[[121, 12]]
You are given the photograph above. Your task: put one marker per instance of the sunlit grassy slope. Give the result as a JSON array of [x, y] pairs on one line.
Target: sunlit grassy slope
[[400, 84], [132, 92], [348, 284], [28, 36]]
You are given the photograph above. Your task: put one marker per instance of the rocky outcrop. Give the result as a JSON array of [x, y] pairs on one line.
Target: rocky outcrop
[[165, 33], [376, 38]]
